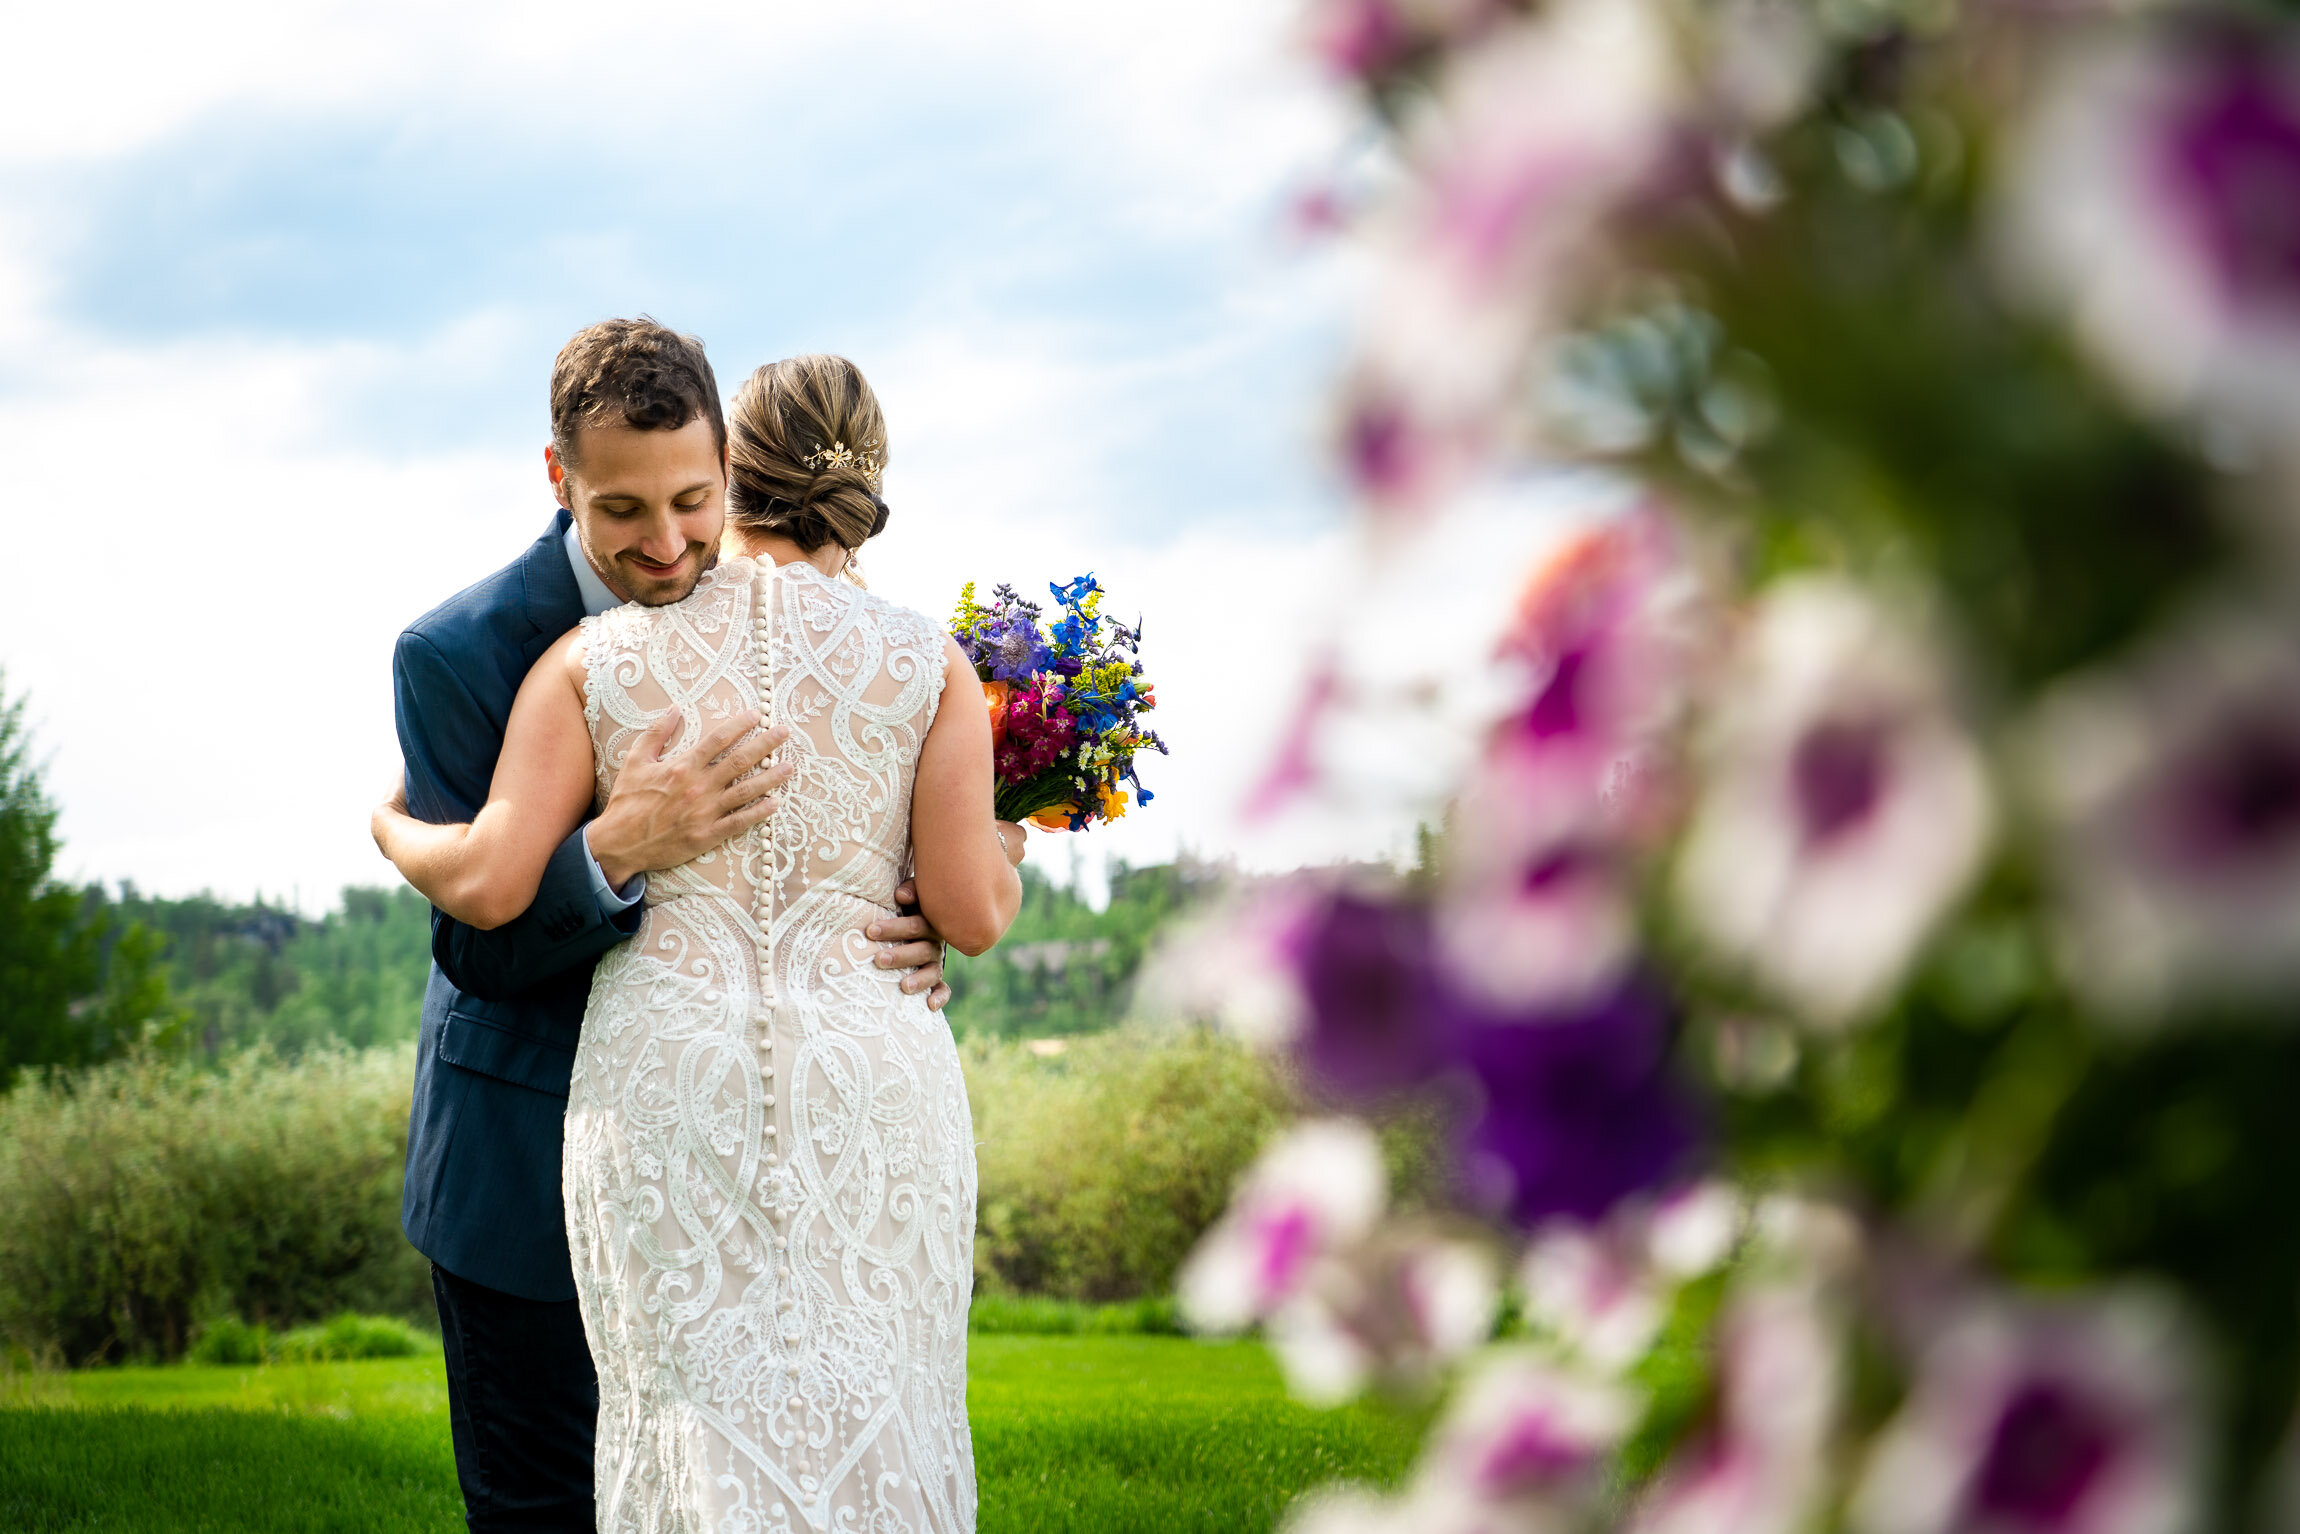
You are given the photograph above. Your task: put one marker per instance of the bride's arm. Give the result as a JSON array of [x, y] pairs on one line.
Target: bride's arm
[[485, 874], [967, 887]]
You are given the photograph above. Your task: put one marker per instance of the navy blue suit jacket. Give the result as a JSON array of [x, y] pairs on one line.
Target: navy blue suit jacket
[[503, 1008]]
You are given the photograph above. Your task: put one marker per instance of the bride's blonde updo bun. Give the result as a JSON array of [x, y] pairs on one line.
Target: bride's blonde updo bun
[[805, 447]]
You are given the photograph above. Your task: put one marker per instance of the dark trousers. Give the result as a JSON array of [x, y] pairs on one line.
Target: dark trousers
[[523, 1403]]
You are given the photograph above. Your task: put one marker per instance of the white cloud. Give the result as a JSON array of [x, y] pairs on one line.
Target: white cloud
[[205, 579]]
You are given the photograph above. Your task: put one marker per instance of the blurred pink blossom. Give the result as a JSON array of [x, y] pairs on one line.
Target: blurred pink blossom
[[1318, 1190], [1761, 1466], [1363, 39], [1845, 807], [1393, 1311], [2080, 1417], [1534, 909], [1591, 1292], [1535, 136]]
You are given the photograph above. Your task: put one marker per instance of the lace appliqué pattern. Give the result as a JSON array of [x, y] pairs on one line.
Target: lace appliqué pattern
[[769, 1172]]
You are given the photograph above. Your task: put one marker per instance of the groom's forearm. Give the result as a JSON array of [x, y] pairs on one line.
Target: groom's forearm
[[566, 928]]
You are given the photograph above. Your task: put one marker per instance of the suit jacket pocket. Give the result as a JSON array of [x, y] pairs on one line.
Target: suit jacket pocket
[[477, 1044]]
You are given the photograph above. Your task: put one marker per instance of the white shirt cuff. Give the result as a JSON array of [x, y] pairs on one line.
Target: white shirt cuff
[[611, 903]]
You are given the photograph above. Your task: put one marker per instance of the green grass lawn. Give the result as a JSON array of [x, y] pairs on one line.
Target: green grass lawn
[[1075, 1434]]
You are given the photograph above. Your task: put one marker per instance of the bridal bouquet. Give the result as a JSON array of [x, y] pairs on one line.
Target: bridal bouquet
[[1065, 701]]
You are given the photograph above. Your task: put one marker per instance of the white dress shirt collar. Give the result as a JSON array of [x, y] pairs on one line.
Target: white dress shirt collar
[[597, 598]]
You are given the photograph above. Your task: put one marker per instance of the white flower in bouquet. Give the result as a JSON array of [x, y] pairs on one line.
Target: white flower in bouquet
[[1845, 806]]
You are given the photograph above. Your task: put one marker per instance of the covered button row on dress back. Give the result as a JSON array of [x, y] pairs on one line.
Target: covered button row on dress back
[[762, 889]]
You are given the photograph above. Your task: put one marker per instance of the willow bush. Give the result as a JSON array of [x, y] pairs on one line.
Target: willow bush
[[142, 1198]]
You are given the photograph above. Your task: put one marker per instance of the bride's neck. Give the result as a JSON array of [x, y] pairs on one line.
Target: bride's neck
[[774, 548]]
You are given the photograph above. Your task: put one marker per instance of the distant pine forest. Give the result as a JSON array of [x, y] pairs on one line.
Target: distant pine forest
[[257, 973]]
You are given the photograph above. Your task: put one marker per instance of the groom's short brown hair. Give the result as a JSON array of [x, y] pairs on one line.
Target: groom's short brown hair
[[632, 373]]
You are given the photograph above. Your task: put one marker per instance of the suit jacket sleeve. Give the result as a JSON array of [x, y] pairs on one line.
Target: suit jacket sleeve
[[449, 746]]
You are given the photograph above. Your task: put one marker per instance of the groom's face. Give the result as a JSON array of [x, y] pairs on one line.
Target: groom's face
[[648, 506]]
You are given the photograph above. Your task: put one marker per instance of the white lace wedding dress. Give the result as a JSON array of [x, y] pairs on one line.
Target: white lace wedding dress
[[770, 1165]]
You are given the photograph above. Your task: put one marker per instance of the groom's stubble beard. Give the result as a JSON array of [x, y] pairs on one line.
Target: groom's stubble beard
[[634, 583]]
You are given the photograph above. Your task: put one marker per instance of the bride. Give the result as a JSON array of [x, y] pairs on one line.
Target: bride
[[769, 1171]]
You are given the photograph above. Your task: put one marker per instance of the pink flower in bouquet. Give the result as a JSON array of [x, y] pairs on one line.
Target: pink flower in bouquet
[[2081, 1417], [1845, 807], [2176, 790]]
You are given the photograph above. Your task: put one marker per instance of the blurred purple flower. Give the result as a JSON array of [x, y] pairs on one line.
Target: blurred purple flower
[[1523, 1431], [1374, 1024], [1571, 1110], [2076, 1418], [1575, 1111], [1845, 806], [2177, 792], [2152, 200]]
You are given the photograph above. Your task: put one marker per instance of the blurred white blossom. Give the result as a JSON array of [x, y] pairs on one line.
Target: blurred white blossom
[[1395, 1311], [2175, 788], [2150, 198], [1844, 808]]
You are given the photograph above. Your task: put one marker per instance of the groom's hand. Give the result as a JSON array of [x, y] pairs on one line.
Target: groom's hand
[[668, 810], [907, 942]]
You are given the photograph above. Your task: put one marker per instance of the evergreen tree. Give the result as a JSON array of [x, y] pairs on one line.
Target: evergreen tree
[[71, 989]]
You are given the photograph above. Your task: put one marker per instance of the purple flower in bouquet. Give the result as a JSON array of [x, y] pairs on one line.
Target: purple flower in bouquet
[[2081, 1417], [1845, 806], [2152, 199], [2176, 789]]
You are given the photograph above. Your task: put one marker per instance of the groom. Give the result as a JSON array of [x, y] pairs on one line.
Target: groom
[[638, 464]]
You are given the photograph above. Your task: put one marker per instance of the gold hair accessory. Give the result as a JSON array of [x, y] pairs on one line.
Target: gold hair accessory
[[839, 456]]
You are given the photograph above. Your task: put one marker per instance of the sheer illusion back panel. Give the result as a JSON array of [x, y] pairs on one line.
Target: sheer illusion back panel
[[770, 1169]]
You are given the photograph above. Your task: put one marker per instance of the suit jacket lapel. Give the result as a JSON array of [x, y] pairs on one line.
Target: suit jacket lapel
[[553, 602]]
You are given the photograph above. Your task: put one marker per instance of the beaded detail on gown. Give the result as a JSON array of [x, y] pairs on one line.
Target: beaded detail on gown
[[769, 1171]]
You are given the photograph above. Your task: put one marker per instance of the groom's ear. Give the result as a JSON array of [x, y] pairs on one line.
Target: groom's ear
[[558, 472]]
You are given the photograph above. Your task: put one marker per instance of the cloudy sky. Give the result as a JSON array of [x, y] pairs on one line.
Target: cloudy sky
[[280, 286]]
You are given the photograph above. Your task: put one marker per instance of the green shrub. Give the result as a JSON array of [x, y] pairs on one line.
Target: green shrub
[[348, 1336], [1099, 1167], [1039, 1315], [229, 1340], [142, 1197]]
